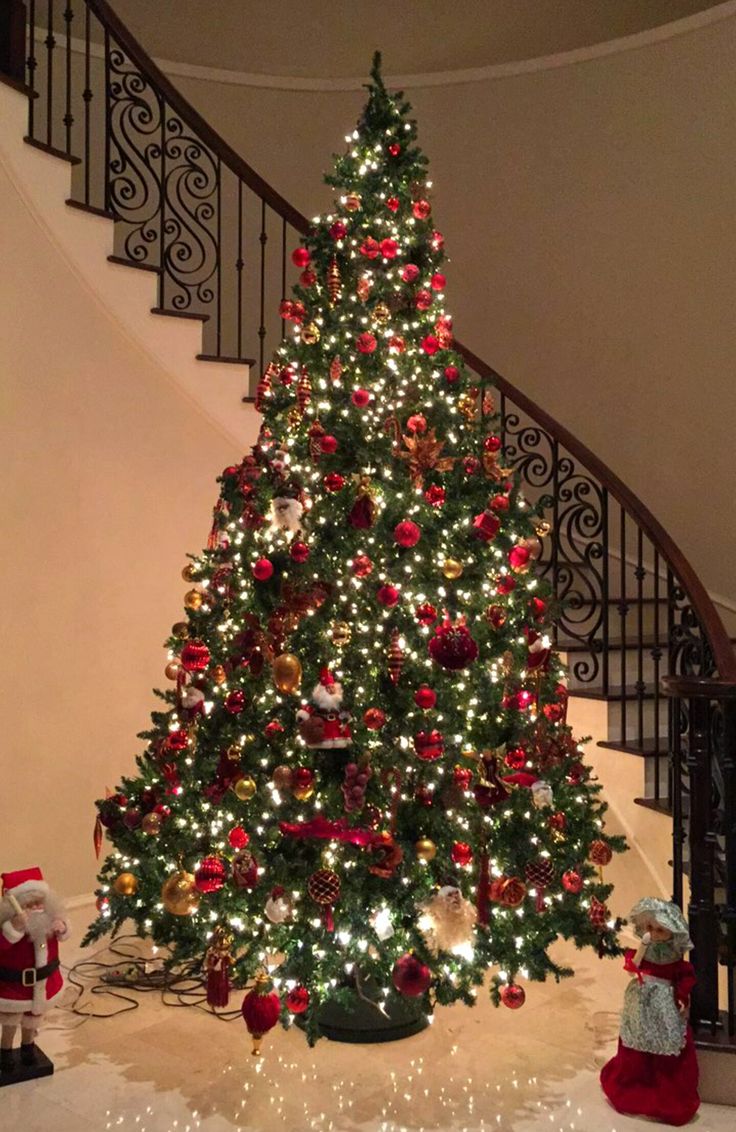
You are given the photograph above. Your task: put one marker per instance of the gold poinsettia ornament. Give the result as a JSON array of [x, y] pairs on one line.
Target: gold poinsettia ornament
[[424, 454]]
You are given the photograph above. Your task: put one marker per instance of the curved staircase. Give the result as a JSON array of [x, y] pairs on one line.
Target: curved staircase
[[126, 175]]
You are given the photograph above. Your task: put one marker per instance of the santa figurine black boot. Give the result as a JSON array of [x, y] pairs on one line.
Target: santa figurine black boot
[[7, 1060]]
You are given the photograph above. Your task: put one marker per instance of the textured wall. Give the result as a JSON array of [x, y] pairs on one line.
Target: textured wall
[[107, 481]]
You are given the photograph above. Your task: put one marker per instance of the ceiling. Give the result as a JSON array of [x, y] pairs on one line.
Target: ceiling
[[336, 38]]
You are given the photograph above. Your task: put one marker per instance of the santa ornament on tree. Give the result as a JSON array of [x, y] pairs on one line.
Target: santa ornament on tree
[[32, 922], [322, 723]]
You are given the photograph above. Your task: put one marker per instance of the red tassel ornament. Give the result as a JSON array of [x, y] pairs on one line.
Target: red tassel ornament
[[261, 1008]]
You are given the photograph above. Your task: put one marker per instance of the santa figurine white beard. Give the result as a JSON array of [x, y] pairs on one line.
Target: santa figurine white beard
[[286, 513], [447, 920], [322, 723]]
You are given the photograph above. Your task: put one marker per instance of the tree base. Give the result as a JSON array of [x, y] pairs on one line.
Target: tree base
[[364, 1023], [42, 1067]]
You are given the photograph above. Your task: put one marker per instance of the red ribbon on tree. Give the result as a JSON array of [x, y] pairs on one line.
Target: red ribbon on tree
[[322, 829]]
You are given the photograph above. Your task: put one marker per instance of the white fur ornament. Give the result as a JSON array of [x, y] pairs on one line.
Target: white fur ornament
[[278, 907], [286, 513], [447, 921], [542, 794]]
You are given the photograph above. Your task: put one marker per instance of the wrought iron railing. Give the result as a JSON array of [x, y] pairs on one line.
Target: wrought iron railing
[[633, 611]]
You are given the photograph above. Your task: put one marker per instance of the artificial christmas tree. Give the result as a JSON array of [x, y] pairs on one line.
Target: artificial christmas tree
[[375, 547]]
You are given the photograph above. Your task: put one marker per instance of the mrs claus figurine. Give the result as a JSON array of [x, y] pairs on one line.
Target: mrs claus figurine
[[655, 1072]]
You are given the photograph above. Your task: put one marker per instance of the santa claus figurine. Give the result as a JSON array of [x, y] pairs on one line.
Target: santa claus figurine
[[32, 921], [322, 723]]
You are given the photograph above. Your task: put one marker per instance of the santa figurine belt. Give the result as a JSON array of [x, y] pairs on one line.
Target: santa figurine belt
[[29, 976]]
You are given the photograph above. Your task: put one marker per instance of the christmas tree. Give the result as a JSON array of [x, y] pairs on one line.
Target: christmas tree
[[420, 815]]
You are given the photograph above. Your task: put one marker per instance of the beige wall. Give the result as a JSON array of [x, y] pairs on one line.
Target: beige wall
[[107, 481], [588, 210]]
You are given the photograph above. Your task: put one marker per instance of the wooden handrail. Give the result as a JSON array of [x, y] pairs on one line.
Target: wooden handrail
[[713, 627]]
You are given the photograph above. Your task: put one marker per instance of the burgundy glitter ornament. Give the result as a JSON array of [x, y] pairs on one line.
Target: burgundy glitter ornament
[[333, 482], [421, 209], [512, 996], [461, 853], [429, 745], [237, 837], [452, 374], [389, 248], [297, 1000], [210, 874], [435, 495], [299, 552], [392, 203], [234, 701], [366, 343], [430, 344], [360, 398], [425, 614], [425, 697], [452, 646], [370, 248], [410, 273], [572, 881], [388, 595], [410, 977], [361, 566], [374, 718], [338, 230], [262, 569]]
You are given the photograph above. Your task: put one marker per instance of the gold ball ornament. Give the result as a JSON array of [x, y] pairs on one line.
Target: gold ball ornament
[[303, 793], [341, 633], [425, 849], [381, 314], [287, 672], [244, 788], [352, 202], [193, 599], [151, 824], [543, 528], [219, 675], [189, 573], [310, 334], [180, 630], [179, 894], [172, 670], [452, 569], [126, 884]]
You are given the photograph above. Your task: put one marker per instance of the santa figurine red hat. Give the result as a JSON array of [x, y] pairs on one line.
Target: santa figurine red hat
[[32, 922], [322, 723]]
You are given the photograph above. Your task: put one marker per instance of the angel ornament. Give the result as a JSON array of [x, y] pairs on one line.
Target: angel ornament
[[655, 1071]]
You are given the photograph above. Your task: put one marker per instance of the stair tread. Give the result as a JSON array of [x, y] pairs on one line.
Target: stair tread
[[225, 358], [571, 644], [180, 314], [615, 692], [659, 805], [61, 153], [125, 262], [646, 747], [92, 208]]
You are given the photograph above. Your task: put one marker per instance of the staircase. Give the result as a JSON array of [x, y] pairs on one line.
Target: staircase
[[155, 189]]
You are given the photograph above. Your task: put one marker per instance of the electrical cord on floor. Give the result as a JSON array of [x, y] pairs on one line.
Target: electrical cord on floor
[[118, 969]]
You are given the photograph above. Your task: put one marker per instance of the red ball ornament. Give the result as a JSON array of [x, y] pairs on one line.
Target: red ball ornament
[[496, 616], [461, 853], [553, 713], [512, 996], [388, 595], [195, 656], [423, 300], [370, 248], [175, 741], [407, 533], [435, 495], [392, 204], [238, 838], [425, 697], [416, 423], [429, 745], [437, 240], [360, 398], [374, 718], [500, 503], [572, 881], [462, 777], [505, 584], [286, 309], [397, 344], [492, 444], [234, 701], [421, 209], [537, 608], [300, 257], [410, 274], [297, 1000], [425, 614], [394, 149], [361, 566], [410, 977], [557, 821], [307, 279], [273, 729], [299, 551], [333, 481], [452, 646], [302, 777], [519, 557], [338, 230], [366, 343], [486, 526], [452, 374], [389, 248], [262, 569], [430, 345], [210, 875], [600, 853], [471, 465], [328, 444], [438, 281]]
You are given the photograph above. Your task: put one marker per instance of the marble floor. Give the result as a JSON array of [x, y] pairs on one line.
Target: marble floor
[[160, 1069]]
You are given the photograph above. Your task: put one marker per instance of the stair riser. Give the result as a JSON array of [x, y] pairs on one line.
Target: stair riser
[[629, 727]]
